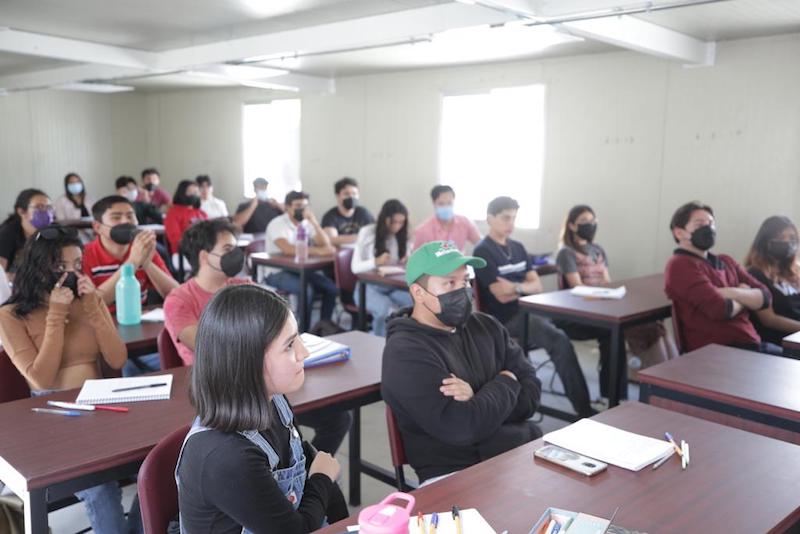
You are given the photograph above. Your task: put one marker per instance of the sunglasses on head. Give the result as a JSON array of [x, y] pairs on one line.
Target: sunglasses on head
[[55, 232]]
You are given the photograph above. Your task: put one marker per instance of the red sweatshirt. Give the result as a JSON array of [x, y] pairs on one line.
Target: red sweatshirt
[[178, 219], [691, 283]]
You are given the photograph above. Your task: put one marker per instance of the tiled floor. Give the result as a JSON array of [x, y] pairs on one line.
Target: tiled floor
[[375, 445]]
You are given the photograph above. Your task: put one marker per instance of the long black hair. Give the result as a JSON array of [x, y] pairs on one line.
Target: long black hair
[[759, 256], [180, 197], [23, 199], [34, 277], [235, 330], [389, 209], [82, 194]]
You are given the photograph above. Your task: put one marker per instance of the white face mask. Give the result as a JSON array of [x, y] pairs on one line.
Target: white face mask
[[131, 194], [262, 195]]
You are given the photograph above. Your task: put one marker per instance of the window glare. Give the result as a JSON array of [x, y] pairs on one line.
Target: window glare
[[492, 144]]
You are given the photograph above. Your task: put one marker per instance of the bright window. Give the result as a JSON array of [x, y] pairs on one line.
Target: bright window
[[271, 138], [491, 145]]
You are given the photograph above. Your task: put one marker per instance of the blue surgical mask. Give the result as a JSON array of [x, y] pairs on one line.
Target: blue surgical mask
[[444, 213], [75, 188]]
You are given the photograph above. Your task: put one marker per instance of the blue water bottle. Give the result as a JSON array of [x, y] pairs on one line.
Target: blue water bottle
[[129, 297]]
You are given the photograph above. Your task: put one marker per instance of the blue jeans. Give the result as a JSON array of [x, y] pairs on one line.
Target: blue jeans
[[381, 301], [103, 504], [142, 364], [317, 282]]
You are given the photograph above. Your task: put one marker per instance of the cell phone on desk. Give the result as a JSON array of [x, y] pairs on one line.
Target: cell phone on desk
[[572, 461]]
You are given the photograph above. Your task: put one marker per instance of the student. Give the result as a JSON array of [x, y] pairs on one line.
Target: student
[[383, 243], [444, 224], [213, 206], [461, 389], [74, 204], [581, 261], [156, 194], [711, 294], [281, 238], [118, 241], [55, 328], [243, 466], [216, 261], [508, 276], [146, 213], [32, 212], [184, 212], [343, 222], [772, 260], [253, 216]]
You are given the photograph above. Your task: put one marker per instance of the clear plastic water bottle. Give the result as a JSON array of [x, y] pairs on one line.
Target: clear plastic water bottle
[[128, 297], [301, 245]]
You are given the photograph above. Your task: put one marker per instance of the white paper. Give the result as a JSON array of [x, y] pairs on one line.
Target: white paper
[[616, 293], [156, 315], [472, 522], [388, 270], [609, 444], [100, 391]]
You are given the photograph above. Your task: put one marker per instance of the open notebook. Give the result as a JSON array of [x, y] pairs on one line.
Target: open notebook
[[102, 391], [614, 293], [322, 351]]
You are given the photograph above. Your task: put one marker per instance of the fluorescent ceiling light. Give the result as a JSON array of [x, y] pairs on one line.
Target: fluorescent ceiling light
[[237, 72], [95, 87]]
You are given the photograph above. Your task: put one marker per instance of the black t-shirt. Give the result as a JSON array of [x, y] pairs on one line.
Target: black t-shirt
[[259, 220], [785, 302], [12, 240], [347, 225], [509, 261], [226, 484]]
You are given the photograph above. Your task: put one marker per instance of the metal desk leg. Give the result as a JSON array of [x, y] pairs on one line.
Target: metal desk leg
[[301, 304], [618, 367], [35, 512], [362, 306], [354, 459], [523, 341]]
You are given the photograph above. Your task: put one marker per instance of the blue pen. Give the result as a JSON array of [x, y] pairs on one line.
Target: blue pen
[[434, 523], [68, 413], [677, 449]]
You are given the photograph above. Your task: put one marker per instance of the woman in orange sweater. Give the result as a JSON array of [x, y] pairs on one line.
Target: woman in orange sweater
[[55, 328]]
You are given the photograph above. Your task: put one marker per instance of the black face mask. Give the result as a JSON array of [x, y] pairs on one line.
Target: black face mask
[[194, 201], [350, 203], [231, 263], [456, 307], [150, 187], [704, 237], [298, 214], [123, 234], [782, 250], [586, 231], [70, 282]]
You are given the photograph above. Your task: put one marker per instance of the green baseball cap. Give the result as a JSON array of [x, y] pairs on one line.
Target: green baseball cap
[[438, 258]]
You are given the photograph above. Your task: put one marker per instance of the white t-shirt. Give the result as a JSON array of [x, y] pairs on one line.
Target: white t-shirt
[[284, 227], [214, 208]]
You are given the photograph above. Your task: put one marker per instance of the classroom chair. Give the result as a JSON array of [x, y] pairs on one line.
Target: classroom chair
[[168, 352], [398, 451], [12, 384], [677, 328], [346, 282], [158, 494]]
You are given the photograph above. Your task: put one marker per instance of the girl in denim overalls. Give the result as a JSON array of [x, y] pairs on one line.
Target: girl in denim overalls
[[234, 381]]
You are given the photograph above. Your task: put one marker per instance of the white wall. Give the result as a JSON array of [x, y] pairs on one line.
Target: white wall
[[46, 134], [632, 135]]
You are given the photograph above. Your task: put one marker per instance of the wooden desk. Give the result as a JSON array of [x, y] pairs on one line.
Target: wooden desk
[[141, 338], [737, 482], [394, 281], [791, 344], [644, 302], [739, 388], [45, 458], [287, 263]]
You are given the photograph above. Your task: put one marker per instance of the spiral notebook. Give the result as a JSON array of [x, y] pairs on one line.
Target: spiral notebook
[[102, 391]]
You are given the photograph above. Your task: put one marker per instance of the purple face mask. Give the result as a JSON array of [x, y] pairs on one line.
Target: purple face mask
[[42, 219]]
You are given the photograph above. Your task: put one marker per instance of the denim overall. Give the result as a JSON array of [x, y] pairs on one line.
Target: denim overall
[[290, 480]]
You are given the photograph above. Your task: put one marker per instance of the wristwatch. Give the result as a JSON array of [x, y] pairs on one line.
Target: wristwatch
[[518, 289]]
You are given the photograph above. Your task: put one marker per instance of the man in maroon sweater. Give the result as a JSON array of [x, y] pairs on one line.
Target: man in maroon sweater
[[712, 295]]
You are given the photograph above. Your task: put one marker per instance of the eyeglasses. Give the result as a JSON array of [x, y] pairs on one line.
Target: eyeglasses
[[54, 232], [42, 207]]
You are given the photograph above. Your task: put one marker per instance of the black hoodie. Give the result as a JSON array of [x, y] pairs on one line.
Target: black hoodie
[[440, 434]]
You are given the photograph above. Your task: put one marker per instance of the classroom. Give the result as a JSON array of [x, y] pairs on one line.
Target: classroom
[[399, 266]]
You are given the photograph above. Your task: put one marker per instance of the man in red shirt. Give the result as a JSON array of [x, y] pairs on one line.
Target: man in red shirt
[[118, 241], [712, 295], [156, 194]]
